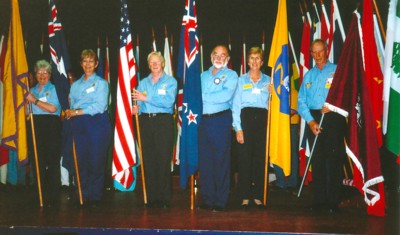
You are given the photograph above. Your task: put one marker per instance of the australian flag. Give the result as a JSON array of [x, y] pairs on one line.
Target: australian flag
[[188, 73], [59, 56]]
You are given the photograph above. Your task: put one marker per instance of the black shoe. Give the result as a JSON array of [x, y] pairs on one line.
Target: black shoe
[[204, 207], [218, 208]]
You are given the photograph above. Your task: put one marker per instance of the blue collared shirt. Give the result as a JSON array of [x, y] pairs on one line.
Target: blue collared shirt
[[249, 94], [48, 95], [314, 89], [91, 95], [218, 90], [160, 95]]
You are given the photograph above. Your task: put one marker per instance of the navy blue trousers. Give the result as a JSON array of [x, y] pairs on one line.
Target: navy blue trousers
[[214, 158], [92, 136]]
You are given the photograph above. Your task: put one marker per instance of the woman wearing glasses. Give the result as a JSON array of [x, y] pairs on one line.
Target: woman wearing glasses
[[46, 111], [91, 128]]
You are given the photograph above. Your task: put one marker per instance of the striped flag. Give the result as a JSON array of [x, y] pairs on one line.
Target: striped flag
[[188, 73], [124, 155], [336, 34], [59, 57], [15, 87], [280, 109]]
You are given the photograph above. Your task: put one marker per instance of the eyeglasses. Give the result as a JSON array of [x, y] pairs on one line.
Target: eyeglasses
[[222, 56], [42, 73]]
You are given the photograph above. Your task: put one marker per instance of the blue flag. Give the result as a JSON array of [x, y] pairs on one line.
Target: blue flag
[[59, 57], [188, 73]]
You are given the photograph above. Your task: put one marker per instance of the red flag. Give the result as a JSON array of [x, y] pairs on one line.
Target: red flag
[[350, 97], [325, 25], [3, 48], [304, 67], [124, 156], [107, 63], [373, 71]]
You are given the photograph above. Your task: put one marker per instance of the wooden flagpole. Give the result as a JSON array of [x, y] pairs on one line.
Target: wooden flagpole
[[267, 151], [380, 21], [35, 152], [192, 192], [78, 178], [141, 159]]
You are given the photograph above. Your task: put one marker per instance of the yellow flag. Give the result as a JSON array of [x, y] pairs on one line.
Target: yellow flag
[[279, 150], [15, 77]]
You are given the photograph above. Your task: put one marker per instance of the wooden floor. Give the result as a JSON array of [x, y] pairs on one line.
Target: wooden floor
[[285, 213]]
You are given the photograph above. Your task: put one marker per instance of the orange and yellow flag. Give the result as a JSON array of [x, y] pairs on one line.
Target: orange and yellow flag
[[15, 89]]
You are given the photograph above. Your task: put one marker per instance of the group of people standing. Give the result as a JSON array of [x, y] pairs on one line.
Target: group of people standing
[[229, 102]]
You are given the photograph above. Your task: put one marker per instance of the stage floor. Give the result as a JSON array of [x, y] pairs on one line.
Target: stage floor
[[285, 213]]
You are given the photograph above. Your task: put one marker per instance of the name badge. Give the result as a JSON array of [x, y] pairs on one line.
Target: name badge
[[247, 86], [162, 92], [90, 90], [328, 83], [43, 99], [256, 91]]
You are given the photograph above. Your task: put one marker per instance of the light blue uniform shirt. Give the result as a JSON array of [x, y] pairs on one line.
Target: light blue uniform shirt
[[249, 94], [91, 95], [314, 89], [160, 96], [48, 95], [218, 90]]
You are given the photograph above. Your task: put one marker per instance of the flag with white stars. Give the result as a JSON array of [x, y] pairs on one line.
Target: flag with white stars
[[189, 101], [124, 155]]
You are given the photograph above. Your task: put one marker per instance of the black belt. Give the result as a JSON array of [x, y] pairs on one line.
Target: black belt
[[214, 114], [154, 114]]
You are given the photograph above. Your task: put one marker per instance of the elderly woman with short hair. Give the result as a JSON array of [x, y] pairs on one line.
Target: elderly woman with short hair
[[46, 111]]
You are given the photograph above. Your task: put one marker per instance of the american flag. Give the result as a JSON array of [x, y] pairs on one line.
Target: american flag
[[124, 156], [191, 108], [59, 57]]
